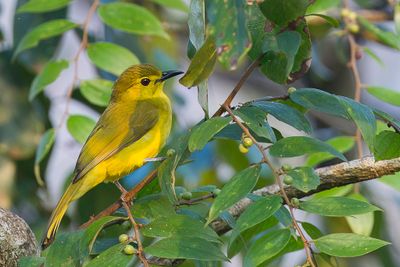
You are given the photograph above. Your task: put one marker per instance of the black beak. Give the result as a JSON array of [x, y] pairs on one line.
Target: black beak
[[169, 74]]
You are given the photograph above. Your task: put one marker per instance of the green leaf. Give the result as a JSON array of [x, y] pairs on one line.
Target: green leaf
[[152, 207], [114, 256], [80, 127], [266, 247], [119, 16], [244, 238], [197, 32], [286, 114], [44, 31], [335, 192], [348, 245], [392, 180], [275, 63], [294, 244], [374, 56], [254, 214], [384, 37], [387, 145], [97, 92], [203, 133], [111, 57], [45, 144], [64, 251], [166, 171], [39, 6], [31, 261], [340, 143], [256, 120], [302, 61], [227, 23], [283, 12], [197, 23], [94, 229], [237, 188], [363, 117], [186, 248], [361, 224], [179, 226], [202, 64], [387, 118], [312, 230], [294, 146], [175, 4], [281, 50], [337, 206], [322, 5], [49, 74], [331, 20], [385, 94], [339, 106], [320, 101], [304, 178]]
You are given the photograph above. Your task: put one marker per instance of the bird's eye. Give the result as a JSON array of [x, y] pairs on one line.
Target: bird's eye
[[145, 81]]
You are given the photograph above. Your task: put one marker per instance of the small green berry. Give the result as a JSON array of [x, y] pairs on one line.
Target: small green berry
[[353, 28], [295, 202], [286, 167], [171, 152], [352, 15], [243, 149], [345, 12], [123, 238], [288, 179], [186, 195], [129, 250], [291, 90], [247, 142], [216, 191]]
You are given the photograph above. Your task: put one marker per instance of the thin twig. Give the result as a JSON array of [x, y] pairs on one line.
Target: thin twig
[[239, 85], [137, 235], [353, 46], [82, 47], [357, 84], [307, 248]]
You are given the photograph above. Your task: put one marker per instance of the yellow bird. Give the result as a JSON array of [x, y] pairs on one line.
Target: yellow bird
[[133, 127]]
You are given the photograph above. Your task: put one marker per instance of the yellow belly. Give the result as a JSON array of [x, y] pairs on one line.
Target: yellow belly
[[124, 162], [130, 158]]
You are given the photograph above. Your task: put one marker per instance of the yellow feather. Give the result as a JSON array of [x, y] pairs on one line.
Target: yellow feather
[[133, 127]]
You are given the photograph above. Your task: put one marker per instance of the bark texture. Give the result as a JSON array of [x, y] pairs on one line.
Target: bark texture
[[16, 239]]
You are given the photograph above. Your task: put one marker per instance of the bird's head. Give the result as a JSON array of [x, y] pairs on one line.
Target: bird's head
[[141, 81]]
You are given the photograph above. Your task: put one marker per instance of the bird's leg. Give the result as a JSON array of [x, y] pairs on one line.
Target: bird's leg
[[123, 193], [126, 204], [155, 159]]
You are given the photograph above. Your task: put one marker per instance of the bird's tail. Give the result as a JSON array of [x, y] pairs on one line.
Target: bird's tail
[[58, 214]]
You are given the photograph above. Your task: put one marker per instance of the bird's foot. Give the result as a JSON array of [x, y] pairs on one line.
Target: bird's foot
[[124, 193]]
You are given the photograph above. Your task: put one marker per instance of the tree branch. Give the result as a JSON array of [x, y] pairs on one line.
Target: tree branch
[[351, 172]]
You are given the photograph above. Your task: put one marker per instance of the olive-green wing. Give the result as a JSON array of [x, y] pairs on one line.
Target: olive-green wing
[[114, 133]]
